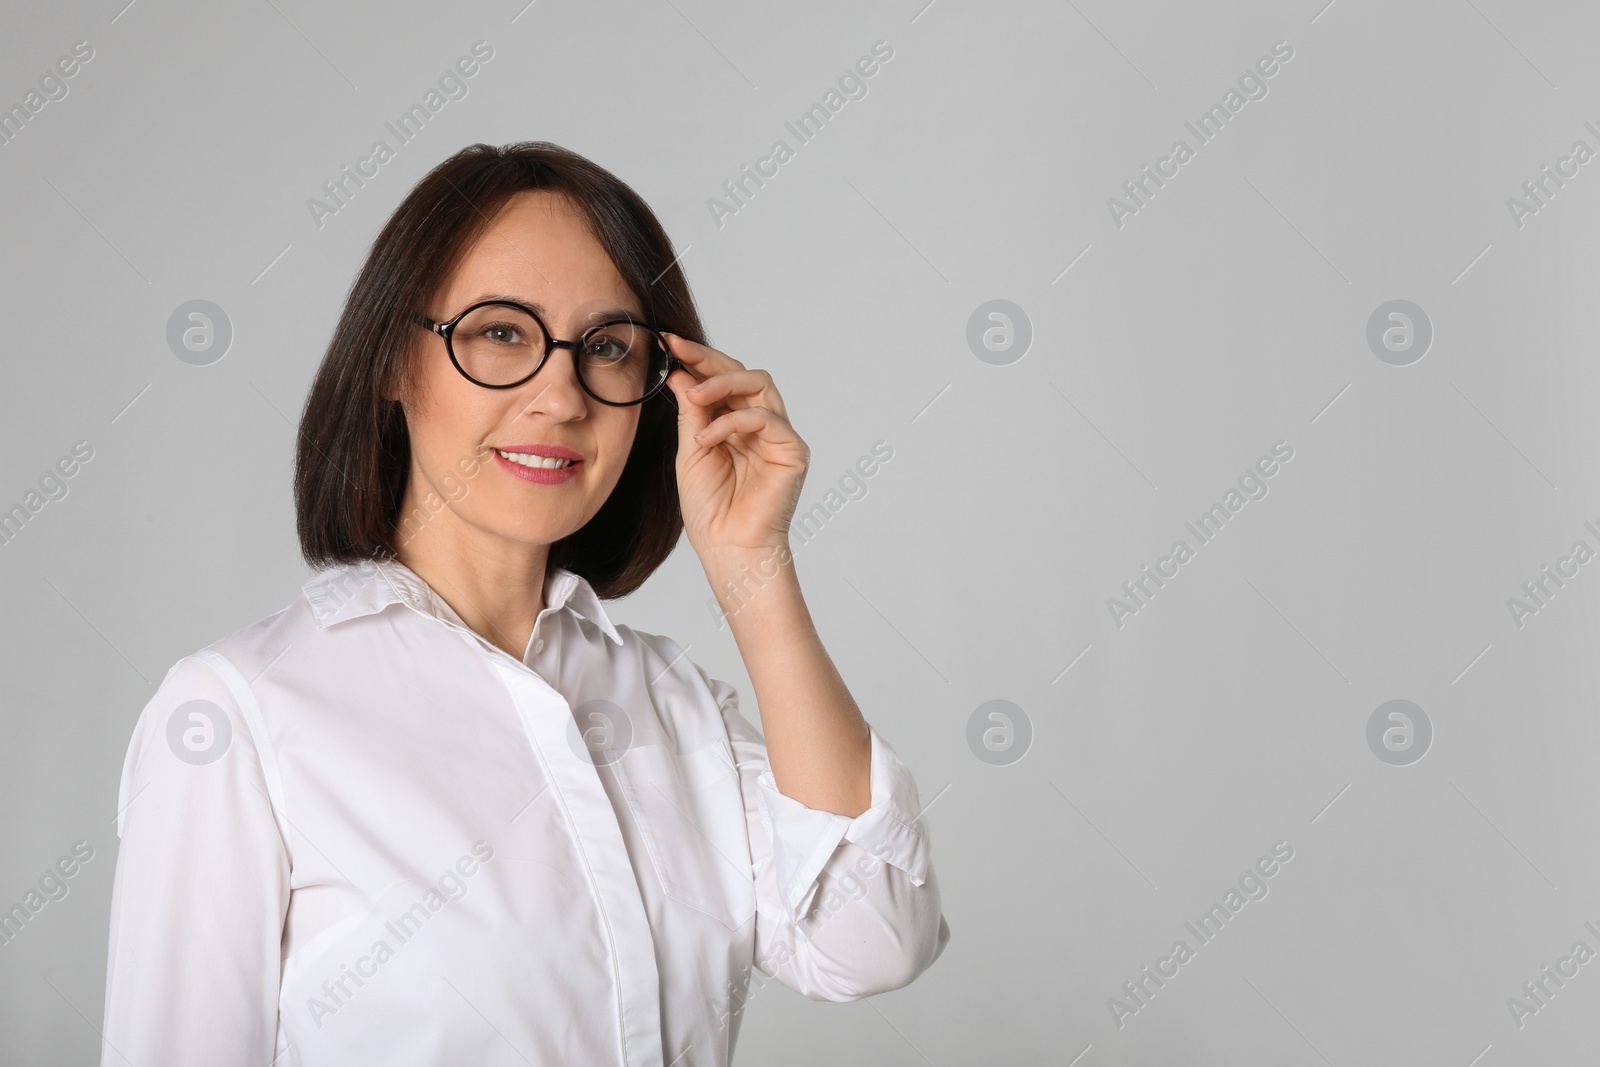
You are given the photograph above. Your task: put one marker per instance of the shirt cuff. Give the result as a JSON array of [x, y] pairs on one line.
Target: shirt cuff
[[804, 839]]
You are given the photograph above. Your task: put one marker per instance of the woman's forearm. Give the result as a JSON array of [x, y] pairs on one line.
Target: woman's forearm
[[817, 741]]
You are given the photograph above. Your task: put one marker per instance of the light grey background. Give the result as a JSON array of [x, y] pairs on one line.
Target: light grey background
[[1228, 314]]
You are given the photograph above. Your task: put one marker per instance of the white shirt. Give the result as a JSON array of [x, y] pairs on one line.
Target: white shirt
[[358, 833]]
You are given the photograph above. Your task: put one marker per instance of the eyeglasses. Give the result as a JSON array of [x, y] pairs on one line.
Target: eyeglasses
[[500, 345]]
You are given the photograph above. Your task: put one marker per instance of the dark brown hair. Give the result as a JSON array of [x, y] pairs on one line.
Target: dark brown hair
[[353, 450]]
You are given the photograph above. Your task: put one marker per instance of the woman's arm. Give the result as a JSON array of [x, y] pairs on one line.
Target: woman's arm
[[817, 742], [740, 466], [845, 907], [201, 887]]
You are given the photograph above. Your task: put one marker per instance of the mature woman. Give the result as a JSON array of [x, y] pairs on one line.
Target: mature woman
[[441, 809]]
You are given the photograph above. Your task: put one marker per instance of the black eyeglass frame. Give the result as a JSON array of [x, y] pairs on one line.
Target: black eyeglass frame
[[446, 328]]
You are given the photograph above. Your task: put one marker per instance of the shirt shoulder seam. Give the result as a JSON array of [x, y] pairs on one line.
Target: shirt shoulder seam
[[250, 711]]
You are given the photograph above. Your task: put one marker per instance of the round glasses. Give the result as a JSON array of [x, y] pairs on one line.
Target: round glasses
[[500, 345]]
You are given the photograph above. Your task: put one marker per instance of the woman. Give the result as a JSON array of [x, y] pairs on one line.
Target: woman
[[440, 809]]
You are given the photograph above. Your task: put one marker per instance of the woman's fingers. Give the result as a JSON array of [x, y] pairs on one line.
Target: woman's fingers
[[754, 387], [759, 421], [700, 360]]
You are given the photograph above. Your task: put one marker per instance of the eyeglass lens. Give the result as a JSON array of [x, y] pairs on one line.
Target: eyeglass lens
[[498, 344]]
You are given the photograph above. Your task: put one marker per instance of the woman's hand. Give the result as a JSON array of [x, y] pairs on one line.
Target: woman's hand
[[740, 464]]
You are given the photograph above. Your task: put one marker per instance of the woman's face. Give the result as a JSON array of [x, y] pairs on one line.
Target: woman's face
[[540, 253]]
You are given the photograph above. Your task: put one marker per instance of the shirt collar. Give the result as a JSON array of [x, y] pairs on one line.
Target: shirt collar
[[348, 590]]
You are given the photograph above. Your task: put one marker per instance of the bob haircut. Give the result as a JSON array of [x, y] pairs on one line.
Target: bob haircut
[[353, 448]]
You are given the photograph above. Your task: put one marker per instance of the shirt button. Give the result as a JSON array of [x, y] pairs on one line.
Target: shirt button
[[538, 646]]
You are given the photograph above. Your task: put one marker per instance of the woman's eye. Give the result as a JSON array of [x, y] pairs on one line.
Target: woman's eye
[[606, 349]]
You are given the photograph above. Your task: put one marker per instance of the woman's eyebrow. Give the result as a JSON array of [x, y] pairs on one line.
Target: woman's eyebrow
[[600, 314]]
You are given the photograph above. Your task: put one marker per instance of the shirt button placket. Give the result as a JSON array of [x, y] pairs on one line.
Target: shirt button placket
[[597, 833]]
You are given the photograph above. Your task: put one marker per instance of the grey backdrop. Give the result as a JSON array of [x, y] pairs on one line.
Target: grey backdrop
[[1146, 361]]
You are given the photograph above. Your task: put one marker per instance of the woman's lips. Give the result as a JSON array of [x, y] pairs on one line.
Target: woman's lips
[[539, 475]]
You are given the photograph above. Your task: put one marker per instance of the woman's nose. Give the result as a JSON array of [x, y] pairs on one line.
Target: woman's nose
[[556, 387]]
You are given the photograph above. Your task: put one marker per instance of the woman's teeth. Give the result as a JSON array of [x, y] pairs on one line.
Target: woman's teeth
[[545, 462]]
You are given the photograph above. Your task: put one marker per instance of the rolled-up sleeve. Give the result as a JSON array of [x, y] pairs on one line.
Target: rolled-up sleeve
[[845, 907], [202, 881]]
